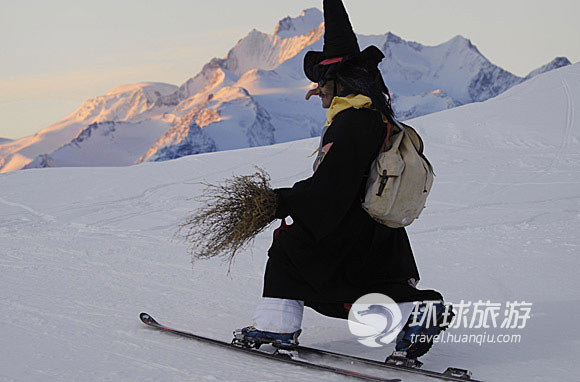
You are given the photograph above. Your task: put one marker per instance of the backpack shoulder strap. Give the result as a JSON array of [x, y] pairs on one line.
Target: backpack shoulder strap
[[417, 142], [413, 136]]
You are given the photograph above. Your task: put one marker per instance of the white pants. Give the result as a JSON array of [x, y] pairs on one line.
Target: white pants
[[278, 315]]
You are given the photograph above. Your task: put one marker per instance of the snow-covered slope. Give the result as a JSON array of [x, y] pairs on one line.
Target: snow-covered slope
[[268, 67], [550, 100], [84, 250]]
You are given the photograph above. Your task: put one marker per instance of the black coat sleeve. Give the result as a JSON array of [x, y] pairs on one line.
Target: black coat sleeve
[[321, 202]]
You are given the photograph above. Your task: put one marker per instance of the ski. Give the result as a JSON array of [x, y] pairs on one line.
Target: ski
[[282, 356], [451, 374]]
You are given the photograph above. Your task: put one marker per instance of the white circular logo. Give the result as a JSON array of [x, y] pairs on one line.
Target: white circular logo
[[375, 319]]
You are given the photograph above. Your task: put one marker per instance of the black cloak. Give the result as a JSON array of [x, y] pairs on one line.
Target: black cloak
[[335, 252]]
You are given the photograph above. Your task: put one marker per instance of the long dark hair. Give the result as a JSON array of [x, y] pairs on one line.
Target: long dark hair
[[356, 79]]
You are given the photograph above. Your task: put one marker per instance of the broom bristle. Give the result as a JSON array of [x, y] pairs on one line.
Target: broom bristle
[[231, 215]]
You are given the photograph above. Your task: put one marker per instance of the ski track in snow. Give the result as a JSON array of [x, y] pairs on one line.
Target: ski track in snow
[[45, 217], [568, 127]]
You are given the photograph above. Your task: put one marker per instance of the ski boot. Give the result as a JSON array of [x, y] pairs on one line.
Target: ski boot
[[416, 337], [253, 338]]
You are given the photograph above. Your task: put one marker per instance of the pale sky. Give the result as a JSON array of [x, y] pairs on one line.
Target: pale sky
[[56, 54]]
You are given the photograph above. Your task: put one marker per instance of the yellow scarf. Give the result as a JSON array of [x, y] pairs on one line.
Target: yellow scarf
[[340, 104]]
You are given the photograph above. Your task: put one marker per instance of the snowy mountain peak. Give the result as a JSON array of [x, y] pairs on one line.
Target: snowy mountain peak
[[460, 43], [212, 77], [260, 50], [556, 63], [456, 43], [459, 39], [308, 20], [107, 143], [124, 102], [154, 89], [130, 103], [393, 38], [228, 120]]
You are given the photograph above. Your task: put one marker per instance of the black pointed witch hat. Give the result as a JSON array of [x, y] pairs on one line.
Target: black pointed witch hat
[[340, 45]]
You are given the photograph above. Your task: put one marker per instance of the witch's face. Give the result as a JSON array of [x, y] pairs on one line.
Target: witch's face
[[325, 90], [326, 93]]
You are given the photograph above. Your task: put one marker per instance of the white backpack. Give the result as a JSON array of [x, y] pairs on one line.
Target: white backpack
[[400, 179]]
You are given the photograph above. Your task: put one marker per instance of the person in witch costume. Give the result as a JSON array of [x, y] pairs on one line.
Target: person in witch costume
[[334, 252]]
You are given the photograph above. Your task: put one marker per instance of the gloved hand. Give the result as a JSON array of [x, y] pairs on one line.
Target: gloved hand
[[281, 209], [283, 226]]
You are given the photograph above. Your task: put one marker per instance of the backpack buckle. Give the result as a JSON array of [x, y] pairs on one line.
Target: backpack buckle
[[383, 183]]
